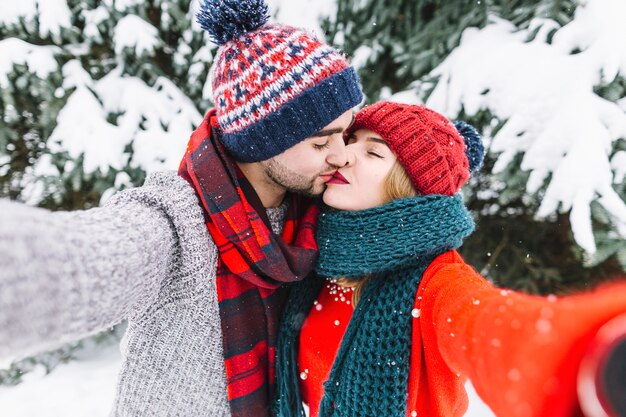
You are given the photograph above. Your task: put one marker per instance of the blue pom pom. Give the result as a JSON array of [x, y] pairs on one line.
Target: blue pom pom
[[474, 148], [227, 19]]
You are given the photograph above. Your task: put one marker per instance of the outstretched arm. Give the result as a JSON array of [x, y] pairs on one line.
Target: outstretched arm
[[64, 275], [521, 352]]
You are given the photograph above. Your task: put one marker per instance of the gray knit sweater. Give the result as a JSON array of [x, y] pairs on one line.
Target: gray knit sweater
[[145, 256]]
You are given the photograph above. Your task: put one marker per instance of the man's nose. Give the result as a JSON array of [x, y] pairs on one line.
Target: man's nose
[[337, 155]]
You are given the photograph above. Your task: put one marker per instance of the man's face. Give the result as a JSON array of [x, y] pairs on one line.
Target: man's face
[[305, 167]]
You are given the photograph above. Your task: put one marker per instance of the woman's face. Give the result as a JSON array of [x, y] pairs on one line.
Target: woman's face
[[360, 184]]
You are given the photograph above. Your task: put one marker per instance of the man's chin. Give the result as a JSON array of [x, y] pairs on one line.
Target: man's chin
[[315, 190], [318, 191]]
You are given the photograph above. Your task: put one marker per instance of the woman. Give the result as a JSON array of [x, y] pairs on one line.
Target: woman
[[399, 322]]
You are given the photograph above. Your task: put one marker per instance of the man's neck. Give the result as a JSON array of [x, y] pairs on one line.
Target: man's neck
[[270, 193]]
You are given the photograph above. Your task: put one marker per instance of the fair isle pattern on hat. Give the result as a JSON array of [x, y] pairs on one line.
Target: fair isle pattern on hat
[[276, 86], [286, 63], [273, 85]]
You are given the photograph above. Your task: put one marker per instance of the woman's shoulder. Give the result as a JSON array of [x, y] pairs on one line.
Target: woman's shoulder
[[450, 258], [451, 268]]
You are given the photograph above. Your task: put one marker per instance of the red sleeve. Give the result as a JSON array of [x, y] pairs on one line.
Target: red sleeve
[[435, 390], [521, 352]]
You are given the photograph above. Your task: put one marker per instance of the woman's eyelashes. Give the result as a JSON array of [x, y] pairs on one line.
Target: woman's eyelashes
[[370, 148], [375, 152]]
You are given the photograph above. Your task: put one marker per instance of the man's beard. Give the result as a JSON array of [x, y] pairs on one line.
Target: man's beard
[[292, 181]]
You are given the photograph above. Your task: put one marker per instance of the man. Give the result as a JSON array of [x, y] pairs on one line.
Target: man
[[195, 261]]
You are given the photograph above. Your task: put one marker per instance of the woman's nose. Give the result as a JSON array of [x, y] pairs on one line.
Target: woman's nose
[[350, 156]]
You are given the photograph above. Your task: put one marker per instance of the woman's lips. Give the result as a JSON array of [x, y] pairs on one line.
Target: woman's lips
[[337, 178]]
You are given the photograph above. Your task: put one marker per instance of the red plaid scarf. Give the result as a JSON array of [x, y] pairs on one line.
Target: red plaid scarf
[[253, 263]]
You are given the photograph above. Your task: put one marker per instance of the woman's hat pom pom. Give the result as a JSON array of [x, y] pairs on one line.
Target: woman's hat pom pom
[[474, 148], [225, 20]]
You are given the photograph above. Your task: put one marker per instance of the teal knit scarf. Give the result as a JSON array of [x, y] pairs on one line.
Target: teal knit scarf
[[393, 243]]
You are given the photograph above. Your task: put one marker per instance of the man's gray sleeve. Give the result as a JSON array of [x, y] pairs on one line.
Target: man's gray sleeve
[[64, 275]]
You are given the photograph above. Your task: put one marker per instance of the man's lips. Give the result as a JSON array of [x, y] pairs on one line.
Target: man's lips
[[337, 178], [328, 176]]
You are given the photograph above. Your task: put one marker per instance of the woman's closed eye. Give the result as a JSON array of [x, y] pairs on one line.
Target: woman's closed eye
[[375, 153]]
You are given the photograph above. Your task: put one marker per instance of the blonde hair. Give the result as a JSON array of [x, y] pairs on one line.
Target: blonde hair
[[397, 185]]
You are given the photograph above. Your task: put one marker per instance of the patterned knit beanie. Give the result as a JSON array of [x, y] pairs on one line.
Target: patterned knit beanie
[[437, 155], [273, 85]]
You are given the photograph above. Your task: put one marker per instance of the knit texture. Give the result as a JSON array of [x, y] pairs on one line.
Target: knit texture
[[273, 85], [428, 145], [227, 19], [474, 148], [369, 376], [145, 256], [423, 225]]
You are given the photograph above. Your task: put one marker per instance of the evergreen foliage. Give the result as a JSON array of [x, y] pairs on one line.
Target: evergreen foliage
[[406, 39], [396, 45], [32, 100]]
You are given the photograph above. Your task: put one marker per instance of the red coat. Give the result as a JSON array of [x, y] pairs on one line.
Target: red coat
[[521, 352]]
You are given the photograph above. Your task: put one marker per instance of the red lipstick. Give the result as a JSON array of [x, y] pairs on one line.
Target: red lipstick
[[337, 178]]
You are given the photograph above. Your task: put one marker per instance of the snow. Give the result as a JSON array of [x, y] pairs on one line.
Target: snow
[[570, 160], [39, 59], [598, 30], [121, 5], [88, 133], [303, 14], [361, 55], [92, 19], [542, 90], [74, 75], [86, 386], [34, 178], [82, 125], [203, 57], [134, 32], [52, 14], [544, 93], [167, 115]]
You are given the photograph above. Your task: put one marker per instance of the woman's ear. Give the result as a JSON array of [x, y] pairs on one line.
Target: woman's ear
[[474, 148]]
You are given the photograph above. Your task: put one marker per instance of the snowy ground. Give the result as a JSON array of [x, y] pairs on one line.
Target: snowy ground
[[85, 387]]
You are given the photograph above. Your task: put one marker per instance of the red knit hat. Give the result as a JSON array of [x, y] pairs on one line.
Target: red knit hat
[[431, 149]]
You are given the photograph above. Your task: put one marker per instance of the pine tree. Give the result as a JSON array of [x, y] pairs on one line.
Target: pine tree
[[150, 45], [398, 42], [398, 45]]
